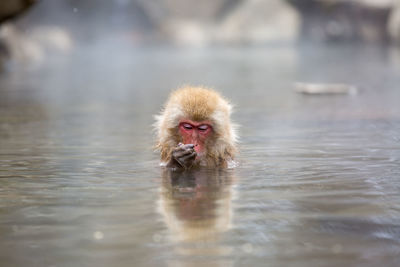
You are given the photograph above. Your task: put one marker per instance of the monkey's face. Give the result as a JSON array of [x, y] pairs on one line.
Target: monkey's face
[[196, 133]]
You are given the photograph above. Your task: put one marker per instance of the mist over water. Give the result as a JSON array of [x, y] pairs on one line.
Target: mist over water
[[316, 185]]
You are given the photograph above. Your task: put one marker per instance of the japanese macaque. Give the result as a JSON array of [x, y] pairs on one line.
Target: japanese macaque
[[194, 129]]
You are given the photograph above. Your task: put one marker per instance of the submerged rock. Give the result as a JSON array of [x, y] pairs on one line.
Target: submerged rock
[[325, 88]]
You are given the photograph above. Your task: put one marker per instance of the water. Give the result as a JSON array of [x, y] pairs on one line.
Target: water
[[317, 182]]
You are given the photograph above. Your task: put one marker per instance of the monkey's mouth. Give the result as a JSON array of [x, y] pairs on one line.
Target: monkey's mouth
[[197, 148]]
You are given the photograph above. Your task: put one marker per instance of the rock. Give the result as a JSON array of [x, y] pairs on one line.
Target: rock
[[258, 21], [10, 9], [34, 45], [9, 41], [223, 21], [394, 23], [344, 20]]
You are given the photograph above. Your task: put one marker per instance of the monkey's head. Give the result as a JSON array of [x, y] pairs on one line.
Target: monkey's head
[[198, 116]]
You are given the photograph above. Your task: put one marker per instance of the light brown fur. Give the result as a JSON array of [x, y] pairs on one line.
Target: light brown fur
[[197, 104]]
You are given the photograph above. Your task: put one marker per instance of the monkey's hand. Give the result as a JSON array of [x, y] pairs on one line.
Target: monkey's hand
[[183, 157]]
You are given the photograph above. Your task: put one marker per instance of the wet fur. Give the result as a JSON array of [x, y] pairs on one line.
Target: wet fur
[[197, 104]]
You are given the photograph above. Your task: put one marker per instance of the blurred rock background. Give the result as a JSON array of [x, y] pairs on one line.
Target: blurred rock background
[[29, 29]]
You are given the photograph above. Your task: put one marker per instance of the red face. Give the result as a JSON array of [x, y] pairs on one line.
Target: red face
[[195, 133]]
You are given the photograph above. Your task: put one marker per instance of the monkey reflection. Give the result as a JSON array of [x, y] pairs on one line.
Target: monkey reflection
[[196, 207]]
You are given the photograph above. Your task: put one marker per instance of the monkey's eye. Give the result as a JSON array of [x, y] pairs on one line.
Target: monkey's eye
[[187, 126], [203, 127]]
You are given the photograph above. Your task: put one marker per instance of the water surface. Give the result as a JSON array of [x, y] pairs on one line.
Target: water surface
[[317, 182]]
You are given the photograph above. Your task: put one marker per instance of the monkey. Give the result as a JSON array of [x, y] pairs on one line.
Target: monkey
[[194, 130]]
